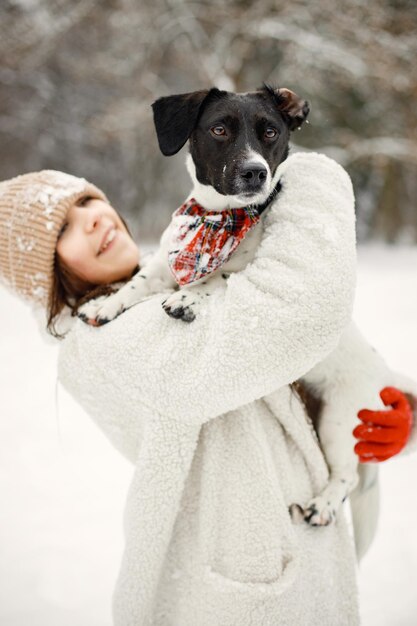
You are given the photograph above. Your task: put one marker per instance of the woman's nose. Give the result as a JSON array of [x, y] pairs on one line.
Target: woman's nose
[[92, 220]]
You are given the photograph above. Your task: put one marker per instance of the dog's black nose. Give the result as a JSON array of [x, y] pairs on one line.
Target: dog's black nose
[[253, 176]]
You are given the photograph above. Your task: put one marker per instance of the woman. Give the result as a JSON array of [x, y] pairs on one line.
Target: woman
[[208, 535]]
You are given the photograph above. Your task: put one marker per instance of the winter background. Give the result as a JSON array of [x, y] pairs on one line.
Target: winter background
[[76, 81]]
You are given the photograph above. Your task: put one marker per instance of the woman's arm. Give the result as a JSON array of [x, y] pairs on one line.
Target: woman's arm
[[269, 325]]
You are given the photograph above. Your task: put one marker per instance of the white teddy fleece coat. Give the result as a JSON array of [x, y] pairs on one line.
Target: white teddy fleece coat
[[209, 541]]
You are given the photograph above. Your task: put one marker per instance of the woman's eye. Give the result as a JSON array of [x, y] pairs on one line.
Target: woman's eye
[[83, 201], [63, 229], [218, 131], [270, 132]]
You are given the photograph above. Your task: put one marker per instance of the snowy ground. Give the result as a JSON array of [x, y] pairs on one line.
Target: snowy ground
[[62, 486]]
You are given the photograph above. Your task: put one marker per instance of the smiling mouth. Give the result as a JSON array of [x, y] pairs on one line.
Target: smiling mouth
[[107, 240]]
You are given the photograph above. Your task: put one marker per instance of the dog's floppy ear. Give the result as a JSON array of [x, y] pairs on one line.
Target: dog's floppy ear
[[175, 118], [294, 108]]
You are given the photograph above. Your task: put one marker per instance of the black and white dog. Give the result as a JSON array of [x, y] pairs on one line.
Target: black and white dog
[[236, 143]]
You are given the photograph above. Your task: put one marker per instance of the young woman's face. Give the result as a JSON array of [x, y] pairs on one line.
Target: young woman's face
[[95, 245]]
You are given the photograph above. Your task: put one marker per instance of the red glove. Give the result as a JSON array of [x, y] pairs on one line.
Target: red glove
[[384, 433]]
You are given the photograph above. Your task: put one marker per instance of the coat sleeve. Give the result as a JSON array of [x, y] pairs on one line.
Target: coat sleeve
[[265, 328]]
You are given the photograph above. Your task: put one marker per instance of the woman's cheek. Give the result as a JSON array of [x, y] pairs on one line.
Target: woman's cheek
[[72, 260], [84, 265]]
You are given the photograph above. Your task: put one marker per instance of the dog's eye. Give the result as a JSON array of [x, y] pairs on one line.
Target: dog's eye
[[218, 130], [270, 132]]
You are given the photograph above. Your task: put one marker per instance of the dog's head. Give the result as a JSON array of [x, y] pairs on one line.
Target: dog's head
[[237, 141]]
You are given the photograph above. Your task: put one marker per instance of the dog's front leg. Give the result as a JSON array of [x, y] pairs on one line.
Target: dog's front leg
[[152, 279], [186, 303]]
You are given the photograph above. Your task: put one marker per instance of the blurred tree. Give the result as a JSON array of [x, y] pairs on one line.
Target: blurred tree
[[77, 78]]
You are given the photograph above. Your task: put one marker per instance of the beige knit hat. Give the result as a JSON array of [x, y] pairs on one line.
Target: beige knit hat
[[33, 208]]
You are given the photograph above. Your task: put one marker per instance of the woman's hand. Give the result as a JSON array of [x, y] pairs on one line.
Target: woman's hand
[[384, 433]]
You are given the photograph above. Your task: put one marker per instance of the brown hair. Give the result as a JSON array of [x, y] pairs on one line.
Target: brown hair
[[69, 290]]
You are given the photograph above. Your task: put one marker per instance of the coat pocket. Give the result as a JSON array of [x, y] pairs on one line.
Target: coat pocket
[[246, 535]]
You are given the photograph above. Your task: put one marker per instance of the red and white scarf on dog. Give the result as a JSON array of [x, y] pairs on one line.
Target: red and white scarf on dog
[[203, 240]]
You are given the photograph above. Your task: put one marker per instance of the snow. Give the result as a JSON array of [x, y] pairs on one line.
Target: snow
[[386, 310], [63, 487]]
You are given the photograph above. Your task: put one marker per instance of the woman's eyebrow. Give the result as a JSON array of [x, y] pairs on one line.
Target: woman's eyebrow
[[83, 200]]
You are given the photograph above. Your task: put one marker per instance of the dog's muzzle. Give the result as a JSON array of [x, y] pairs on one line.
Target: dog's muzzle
[[252, 177]]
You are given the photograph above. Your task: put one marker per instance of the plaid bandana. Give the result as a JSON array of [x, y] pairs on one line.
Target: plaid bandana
[[203, 240]]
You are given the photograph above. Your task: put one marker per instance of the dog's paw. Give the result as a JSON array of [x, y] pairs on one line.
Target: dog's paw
[[320, 512], [296, 513], [182, 305], [102, 310]]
